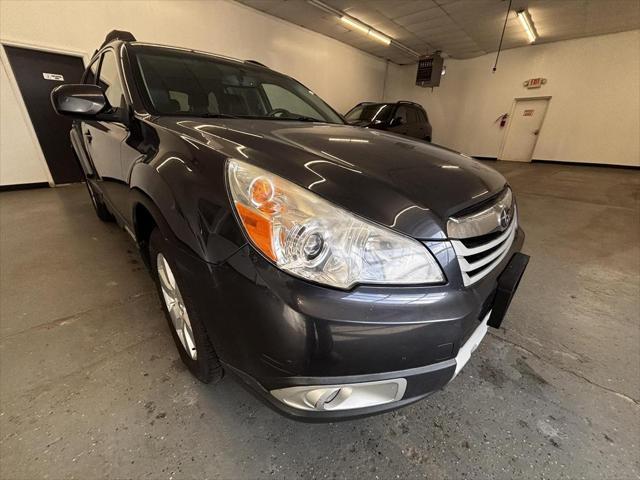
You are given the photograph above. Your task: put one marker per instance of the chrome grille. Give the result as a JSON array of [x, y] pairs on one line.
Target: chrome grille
[[477, 258]]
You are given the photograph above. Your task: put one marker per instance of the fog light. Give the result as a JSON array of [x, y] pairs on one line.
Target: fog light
[[342, 397]]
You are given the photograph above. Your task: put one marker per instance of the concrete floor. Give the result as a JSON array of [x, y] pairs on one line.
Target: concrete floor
[[91, 384]]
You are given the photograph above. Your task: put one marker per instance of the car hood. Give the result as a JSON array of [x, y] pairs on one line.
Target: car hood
[[408, 185]]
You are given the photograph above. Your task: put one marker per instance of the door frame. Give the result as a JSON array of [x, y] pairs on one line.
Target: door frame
[[503, 142], [15, 89]]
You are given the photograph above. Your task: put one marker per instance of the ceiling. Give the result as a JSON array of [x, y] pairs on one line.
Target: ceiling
[[459, 28]]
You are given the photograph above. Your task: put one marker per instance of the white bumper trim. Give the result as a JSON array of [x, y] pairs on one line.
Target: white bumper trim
[[464, 354]]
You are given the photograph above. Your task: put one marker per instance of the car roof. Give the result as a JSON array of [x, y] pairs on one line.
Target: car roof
[[116, 38], [399, 102], [407, 102], [190, 50]]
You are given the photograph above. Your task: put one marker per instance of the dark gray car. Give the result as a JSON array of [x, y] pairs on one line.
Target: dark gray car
[[405, 118], [337, 271]]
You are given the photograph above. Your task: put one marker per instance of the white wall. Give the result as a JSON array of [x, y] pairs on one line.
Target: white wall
[[594, 82], [340, 74], [593, 116], [20, 161]]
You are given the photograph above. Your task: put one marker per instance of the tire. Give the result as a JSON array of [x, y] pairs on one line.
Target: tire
[[99, 206], [188, 331], [428, 139]]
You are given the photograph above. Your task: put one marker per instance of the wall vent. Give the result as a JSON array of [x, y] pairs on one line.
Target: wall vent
[[429, 70]]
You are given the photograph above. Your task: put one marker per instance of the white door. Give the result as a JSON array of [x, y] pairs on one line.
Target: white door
[[523, 130]]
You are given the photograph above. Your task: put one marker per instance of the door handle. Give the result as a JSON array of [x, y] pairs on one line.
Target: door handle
[[88, 136]]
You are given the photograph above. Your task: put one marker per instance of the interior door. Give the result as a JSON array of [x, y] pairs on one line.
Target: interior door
[[524, 128], [37, 73]]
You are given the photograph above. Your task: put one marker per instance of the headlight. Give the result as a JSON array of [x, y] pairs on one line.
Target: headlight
[[309, 237]]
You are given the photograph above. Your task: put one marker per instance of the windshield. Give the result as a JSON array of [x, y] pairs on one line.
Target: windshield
[[186, 83], [370, 113]]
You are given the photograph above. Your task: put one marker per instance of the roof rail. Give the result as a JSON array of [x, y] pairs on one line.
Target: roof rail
[[255, 62], [409, 102], [121, 35]]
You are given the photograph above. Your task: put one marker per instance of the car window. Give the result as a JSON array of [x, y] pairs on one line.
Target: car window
[[401, 113], [412, 114], [355, 114], [90, 73], [422, 117], [209, 85], [181, 98], [108, 79], [281, 98], [373, 112], [248, 100]]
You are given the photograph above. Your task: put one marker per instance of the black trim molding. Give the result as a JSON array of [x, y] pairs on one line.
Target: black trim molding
[[588, 164], [562, 162], [23, 186]]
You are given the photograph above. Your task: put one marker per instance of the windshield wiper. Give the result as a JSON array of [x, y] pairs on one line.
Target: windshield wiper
[[300, 118], [216, 115]]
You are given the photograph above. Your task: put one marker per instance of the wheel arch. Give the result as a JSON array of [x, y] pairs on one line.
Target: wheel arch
[[143, 224], [146, 215]]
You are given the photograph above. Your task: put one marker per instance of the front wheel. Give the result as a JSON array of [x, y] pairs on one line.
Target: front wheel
[[187, 330]]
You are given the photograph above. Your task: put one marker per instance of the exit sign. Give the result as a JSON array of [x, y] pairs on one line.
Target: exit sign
[[535, 82]]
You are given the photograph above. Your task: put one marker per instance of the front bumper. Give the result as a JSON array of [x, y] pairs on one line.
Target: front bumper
[[276, 331], [416, 384], [420, 383]]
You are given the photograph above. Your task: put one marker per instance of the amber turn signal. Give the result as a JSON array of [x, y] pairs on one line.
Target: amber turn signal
[[258, 227]]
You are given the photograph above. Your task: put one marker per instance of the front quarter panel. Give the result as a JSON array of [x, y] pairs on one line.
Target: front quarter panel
[[186, 185]]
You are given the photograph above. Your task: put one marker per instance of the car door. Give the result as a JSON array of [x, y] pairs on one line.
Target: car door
[[399, 121], [412, 122], [103, 139], [416, 125], [79, 130], [425, 126]]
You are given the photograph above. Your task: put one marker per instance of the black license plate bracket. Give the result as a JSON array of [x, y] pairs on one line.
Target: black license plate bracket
[[508, 282]]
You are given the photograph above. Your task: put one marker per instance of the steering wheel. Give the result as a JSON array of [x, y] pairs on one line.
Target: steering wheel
[[278, 112]]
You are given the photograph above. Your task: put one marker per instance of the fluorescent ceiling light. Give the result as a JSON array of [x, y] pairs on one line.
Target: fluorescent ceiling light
[[355, 24], [365, 29], [346, 19], [378, 36], [527, 24]]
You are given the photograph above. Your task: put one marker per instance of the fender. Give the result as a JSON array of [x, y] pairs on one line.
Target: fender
[[212, 241], [193, 268], [140, 198]]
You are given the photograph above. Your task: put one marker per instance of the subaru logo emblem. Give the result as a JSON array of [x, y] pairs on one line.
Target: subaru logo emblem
[[505, 218]]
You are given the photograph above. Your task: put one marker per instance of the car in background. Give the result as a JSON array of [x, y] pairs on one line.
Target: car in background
[[405, 118]]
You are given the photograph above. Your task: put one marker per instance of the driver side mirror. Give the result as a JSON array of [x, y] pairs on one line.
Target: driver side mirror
[[81, 101]]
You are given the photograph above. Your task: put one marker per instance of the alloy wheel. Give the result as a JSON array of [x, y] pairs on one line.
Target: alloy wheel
[[175, 306]]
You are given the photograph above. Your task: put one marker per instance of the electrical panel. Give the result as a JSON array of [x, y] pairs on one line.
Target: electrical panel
[[429, 70]]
